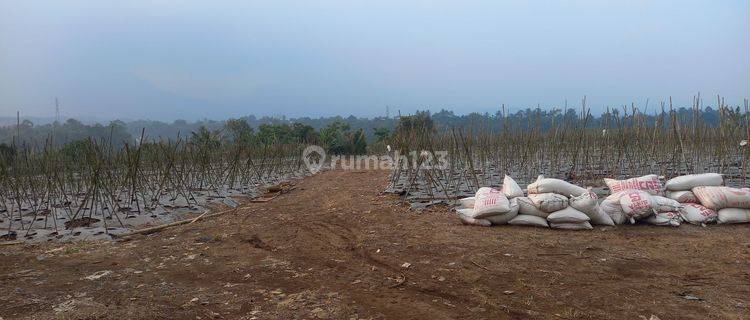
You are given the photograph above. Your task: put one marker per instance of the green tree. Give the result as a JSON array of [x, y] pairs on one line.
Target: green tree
[[270, 133], [303, 133], [357, 142], [239, 131], [205, 138], [420, 123], [381, 134], [334, 137]]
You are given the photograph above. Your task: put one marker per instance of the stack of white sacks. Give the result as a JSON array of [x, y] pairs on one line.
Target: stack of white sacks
[[681, 190], [490, 206], [550, 203], [696, 198], [729, 205], [641, 198], [563, 205]]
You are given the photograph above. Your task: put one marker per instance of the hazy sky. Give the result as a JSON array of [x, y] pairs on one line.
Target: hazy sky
[[218, 59]]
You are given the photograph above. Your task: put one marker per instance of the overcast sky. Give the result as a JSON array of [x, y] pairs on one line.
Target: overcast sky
[[218, 59]]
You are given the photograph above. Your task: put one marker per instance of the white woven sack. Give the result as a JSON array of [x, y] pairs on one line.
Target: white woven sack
[[529, 220], [511, 189], [572, 226], [682, 196], [649, 183], [665, 219], [614, 210], [466, 203], [549, 185], [490, 202], [637, 204], [697, 214], [690, 181], [734, 215], [589, 205], [718, 198], [465, 216], [664, 204], [503, 218], [549, 202], [527, 207], [567, 215]]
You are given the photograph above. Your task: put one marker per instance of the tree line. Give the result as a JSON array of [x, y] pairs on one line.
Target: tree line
[[340, 134]]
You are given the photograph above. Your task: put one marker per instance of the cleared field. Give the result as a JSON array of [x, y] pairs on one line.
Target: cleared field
[[337, 248]]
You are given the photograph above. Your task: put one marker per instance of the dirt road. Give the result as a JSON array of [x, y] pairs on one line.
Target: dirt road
[[335, 248]]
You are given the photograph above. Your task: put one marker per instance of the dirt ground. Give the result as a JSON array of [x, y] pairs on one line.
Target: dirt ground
[[336, 248]]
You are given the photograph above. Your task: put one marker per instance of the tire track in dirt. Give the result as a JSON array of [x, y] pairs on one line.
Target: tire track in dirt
[[342, 235]]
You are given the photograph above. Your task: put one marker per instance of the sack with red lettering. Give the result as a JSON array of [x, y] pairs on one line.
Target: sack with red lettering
[[682, 196], [690, 181], [490, 202], [649, 183], [503, 218], [697, 214], [718, 198], [637, 204]]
